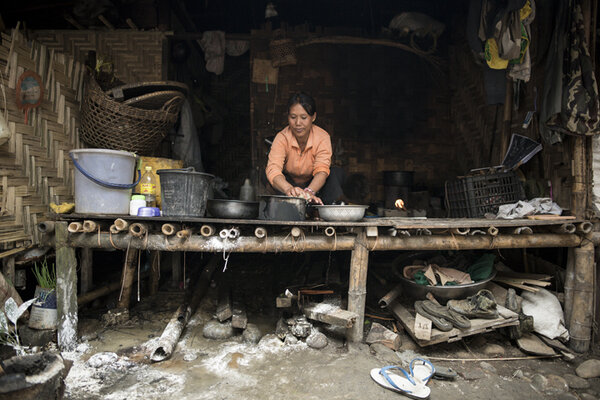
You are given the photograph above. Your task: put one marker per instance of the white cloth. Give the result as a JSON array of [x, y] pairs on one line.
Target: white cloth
[[215, 46], [521, 209], [186, 146], [548, 317]]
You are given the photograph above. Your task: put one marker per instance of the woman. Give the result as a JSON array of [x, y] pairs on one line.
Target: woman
[[300, 156]]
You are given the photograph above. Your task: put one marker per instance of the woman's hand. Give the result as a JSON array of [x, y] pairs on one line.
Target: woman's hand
[[295, 191]]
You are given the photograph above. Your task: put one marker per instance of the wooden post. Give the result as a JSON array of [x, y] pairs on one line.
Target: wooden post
[[569, 285], [176, 268], [8, 269], [580, 325], [128, 277], [66, 289], [155, 272], [357, 289], [578, 194], [86, 270]]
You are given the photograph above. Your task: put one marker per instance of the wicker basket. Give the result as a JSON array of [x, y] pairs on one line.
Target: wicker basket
[[283, 52], [108, 124]]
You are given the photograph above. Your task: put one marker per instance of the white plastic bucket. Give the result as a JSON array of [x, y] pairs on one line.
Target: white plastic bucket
[[43, 312], [103, 180]]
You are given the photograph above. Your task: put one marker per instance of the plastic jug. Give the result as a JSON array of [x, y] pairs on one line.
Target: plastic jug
[[148, 187], [247, 191]]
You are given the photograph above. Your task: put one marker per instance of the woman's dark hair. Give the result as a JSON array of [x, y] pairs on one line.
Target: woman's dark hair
[[305, 100]]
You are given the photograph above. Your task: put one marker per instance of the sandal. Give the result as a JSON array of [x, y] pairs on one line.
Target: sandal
[[422, 370], [402, 383]]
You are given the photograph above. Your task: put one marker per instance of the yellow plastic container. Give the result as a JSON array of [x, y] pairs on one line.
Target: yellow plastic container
[[157, 163]]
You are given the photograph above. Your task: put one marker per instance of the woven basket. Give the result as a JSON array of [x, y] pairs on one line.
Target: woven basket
[[108, 124], [283, 52]]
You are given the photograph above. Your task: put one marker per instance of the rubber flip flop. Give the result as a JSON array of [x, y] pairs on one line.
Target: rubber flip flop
[[439, 323], [422, 370], [402, 383]]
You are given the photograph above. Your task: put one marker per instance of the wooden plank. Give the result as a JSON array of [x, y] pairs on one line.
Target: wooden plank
[[547, 217], [516, 285], [224, 306], [518, 275], [401, 312], [330, 314], [239, 317]]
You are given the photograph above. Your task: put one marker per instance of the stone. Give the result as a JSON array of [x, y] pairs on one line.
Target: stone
[[102, 359], [567, 396], [115, 316], [576, 382], [216, 330], [488, 367], [251, 334], [270, 341], [556, 384], [317, 340], [281, 329], [587, 396], [589, 369], [472, 374], [518, 374], [383, 353], [539, 383], [493, 350], [36, 337], [290, 339], [407, 343]]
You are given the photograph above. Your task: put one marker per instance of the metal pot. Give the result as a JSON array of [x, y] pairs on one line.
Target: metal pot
[[398, 178], [234, 209], [284, 208]]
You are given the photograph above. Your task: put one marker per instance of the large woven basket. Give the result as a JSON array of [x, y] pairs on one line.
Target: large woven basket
[[109, 124]]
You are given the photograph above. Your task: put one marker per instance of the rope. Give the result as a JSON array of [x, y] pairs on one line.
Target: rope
[[454, 241], [99, 236], [146, 240], [111, 241]]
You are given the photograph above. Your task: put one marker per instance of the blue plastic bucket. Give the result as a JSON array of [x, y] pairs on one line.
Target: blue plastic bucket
[[103, 180]]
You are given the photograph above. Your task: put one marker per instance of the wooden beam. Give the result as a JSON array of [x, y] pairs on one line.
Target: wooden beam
[[580, 325], [330, 314], [87, 256], [129, 267]]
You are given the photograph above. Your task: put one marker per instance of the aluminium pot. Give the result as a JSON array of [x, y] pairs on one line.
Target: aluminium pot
[[283, 208], [233, 209], [398, 178]]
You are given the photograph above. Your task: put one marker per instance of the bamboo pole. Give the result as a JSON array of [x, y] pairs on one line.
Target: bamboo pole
[[128, 277], [155, 271], [580, 325], [260, 232], [102, 291], [169, 229], [493, 231], [113, 229], [138, 229], [357, 288], [207, 230], [585, 227], [46, 226], [390, 296], [66, 288], [525, 230], [172, 332], [578, 192], [460, 231], [184, 234], [90, 226], [329, 231], [245, 244], [121, 224], [75, 227], [569, 285]]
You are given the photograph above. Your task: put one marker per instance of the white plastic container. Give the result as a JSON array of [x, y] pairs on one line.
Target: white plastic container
[[137, 201], [103, 180]]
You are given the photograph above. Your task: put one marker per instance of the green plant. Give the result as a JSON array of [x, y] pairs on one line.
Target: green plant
[[45, 275], [12, 312]]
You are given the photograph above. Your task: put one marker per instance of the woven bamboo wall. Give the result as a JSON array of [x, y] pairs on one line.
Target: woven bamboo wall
[[137, 56], [34, 166]]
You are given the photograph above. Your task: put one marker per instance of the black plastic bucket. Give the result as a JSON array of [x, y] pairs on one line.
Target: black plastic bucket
[[184, 192]]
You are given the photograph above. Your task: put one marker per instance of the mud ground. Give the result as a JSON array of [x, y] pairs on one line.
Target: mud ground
[[112, 363]]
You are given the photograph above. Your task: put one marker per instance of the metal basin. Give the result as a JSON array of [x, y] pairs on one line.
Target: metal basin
[[413, 290], [284, 208], [233, 209], [341, 213]]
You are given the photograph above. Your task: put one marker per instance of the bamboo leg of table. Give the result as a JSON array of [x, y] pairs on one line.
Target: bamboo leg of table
[[87, 255], [357, 290], [66, 289], [580, 324], [155, 271], [129, 271]]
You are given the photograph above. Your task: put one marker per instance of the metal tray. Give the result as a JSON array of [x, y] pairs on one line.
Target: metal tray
[[341, 213]]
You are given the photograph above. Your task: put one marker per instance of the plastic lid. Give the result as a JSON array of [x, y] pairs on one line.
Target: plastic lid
[[138, 197], [148, 168]]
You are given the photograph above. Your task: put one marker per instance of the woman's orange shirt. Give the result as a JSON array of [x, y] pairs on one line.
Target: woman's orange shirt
[[286, 156]]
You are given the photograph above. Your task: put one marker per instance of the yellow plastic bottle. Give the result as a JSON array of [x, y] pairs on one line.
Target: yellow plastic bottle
[[148, 187]]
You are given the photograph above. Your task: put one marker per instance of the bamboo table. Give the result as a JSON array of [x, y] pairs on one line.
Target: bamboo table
[[358, 237]]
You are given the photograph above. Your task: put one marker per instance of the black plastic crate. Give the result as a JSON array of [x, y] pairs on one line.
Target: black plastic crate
[[473, 196]]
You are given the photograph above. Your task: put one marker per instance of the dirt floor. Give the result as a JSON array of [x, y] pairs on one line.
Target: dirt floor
[[113, 363]]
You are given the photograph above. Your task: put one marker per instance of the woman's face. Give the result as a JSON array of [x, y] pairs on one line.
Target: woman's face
[[299, 120]]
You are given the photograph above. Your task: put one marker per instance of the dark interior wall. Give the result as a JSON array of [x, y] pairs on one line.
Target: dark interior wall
[[385, 109]]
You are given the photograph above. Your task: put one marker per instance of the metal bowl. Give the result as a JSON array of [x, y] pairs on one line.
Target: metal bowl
[[283, 208], [234, 209], [415, 291], [341, 213]]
